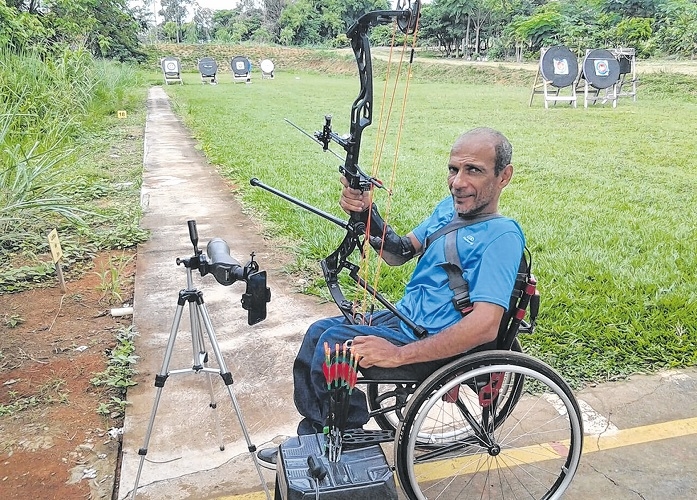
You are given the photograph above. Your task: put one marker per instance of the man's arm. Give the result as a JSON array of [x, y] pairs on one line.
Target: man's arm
[[395, 250], [477, 328]]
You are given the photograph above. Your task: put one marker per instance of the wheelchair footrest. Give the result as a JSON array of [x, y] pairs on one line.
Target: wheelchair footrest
[[357, 438]]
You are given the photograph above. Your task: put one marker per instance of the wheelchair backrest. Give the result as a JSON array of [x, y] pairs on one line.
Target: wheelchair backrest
[[523, 297]]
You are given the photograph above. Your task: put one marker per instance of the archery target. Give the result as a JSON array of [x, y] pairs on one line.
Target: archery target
[[601, 69], [239, 65], [625, 64], [266, 66], [559, 66], [207, 67], [170, 65]]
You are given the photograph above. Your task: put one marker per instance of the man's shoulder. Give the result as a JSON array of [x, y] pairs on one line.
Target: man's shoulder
[[500, 227]]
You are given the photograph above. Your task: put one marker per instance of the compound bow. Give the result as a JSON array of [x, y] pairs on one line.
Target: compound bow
[[406, 16]]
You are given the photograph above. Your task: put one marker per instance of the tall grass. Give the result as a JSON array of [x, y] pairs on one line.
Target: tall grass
[[49, 107], [605, 196]]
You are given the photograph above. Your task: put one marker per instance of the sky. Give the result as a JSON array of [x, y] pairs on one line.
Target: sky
[[217, 4]]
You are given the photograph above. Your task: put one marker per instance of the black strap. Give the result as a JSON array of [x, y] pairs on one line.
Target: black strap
[[455, 224], [459, 286], [452, 266]]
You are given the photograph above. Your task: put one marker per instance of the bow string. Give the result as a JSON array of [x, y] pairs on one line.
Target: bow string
[[405, 18]]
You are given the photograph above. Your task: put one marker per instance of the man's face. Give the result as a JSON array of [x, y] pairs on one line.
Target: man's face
[[473, 185]]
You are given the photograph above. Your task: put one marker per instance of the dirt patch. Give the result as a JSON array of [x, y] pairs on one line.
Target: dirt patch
[[53, 442]]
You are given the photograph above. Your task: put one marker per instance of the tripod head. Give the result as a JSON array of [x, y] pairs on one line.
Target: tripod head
[[227, 271]]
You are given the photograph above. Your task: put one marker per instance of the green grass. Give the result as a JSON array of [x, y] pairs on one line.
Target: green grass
[[605, 196]]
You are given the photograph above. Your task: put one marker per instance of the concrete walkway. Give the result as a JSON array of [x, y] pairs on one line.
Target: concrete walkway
[[642, 433], [183, 459]]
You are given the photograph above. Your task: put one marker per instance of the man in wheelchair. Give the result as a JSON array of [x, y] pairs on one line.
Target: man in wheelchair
[[459, 304]]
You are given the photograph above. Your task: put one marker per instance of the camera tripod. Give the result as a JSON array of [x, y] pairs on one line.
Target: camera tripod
[[200, 322]]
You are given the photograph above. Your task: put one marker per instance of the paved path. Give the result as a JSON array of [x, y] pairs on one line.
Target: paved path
[[642, 441], [179, 185]]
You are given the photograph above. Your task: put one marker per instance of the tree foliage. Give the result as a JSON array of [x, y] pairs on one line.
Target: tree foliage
[[497, 29], [106, 28]]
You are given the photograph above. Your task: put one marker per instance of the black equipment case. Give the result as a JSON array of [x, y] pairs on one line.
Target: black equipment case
[[360, 474]]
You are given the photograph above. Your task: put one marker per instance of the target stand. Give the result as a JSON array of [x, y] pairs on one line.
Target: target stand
[[208, 69], [627, 59], [171, 70], [558, 69], [241, 69], [600, 72]]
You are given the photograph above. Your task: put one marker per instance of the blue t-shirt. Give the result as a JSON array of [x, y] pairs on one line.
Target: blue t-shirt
[[490, 253]]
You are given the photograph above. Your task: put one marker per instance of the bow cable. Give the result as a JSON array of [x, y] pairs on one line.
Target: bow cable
[[380, 140]]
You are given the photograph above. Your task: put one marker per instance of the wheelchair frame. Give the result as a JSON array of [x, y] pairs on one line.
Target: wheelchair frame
[[495, 423]]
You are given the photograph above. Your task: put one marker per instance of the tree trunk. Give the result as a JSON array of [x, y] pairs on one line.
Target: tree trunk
[[467, 36]]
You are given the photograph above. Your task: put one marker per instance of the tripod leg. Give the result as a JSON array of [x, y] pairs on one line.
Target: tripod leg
[[227, 378], [160, 380], [201, 355]]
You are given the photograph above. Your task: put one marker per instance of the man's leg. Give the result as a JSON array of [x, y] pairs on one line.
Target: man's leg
[[304, 395], [311, 394]]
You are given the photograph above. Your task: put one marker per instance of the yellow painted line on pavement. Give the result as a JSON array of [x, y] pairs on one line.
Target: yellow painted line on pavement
[[591, 444], [641, 435]]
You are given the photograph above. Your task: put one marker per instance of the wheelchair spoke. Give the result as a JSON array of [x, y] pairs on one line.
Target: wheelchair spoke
[[502, 437]]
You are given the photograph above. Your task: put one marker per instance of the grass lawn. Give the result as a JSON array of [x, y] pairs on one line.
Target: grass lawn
[[606, 196]]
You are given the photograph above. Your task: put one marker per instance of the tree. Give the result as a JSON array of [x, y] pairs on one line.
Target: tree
[[106, 28], [272, 14], [203, 23], [677, 31], [542, 28], [19, 30], [630, 8], [439, 26], [175, 11]]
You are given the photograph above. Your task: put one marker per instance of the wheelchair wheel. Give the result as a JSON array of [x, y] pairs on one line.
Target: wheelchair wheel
[[386, 402], [485, 444]]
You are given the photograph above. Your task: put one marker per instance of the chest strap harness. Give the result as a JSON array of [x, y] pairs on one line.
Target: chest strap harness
[[459, 286]]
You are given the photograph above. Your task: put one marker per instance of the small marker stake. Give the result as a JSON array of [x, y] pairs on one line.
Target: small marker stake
[[56, 255]]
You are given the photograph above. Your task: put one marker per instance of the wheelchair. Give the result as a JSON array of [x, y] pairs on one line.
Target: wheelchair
[[495, 423], [491, 423]]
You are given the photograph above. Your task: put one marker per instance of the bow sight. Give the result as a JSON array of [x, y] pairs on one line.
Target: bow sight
[[227, 271]]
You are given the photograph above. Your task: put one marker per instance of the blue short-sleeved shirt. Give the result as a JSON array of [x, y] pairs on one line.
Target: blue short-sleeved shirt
[[490, 253]]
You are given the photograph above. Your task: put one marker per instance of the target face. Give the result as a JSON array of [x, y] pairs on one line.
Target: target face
[[240, 65], [601, 69], [170, 65], [266, 66], [559, 66]]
